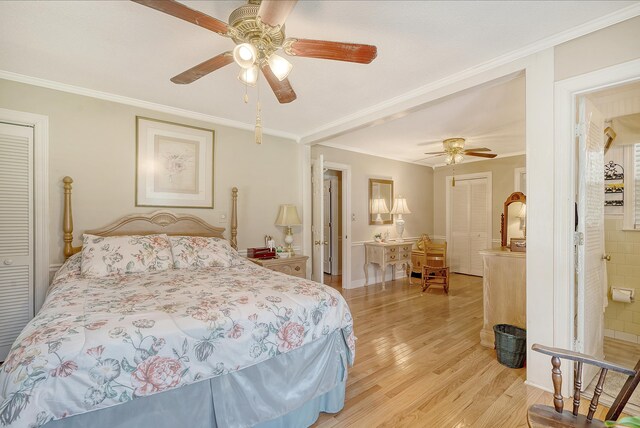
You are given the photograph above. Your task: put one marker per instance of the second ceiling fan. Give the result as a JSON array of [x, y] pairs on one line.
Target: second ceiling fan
[[453, 149], [258, 30]]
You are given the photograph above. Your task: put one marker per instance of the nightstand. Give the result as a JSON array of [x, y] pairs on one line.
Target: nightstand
[[295, 266]]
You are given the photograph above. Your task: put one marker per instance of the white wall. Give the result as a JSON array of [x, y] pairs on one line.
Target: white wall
[[412, 181], [93, 141]]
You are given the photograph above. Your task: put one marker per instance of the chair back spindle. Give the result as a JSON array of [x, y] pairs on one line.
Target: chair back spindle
[[596, 394], [556, 377], [577, 387]]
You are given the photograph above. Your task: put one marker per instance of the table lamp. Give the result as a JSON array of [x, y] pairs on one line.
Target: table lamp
[[523, 220], [379, 206], [288, 217], [400, 207]]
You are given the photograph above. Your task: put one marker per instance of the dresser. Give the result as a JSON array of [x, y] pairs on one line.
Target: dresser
[[294, 266], [385, 254], [504, 291]]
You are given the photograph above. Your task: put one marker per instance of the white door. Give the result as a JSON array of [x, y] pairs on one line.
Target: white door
[[16, 232], [327, 220], [317, 218], [468, 220], [459, 245], [590, 267]]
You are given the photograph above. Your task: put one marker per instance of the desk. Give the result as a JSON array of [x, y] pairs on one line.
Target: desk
[[384, 254]]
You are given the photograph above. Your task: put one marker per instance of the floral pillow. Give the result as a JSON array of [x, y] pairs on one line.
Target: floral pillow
[[191, 252], [103, 256]]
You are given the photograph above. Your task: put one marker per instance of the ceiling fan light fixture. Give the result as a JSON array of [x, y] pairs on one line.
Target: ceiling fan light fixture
[[457, 158], [279, 66], [245, 55], [249, 76]]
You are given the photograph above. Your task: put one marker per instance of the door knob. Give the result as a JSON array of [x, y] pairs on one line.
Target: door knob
[[8, 262], [317, 242], [326, 243], [606, 257]]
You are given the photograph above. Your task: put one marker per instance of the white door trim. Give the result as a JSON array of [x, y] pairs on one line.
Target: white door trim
[[346, 220], [479, 175], [40, 125], [566, 92], [565, 169]]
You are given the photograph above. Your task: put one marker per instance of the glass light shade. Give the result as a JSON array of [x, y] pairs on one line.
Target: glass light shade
[[448, 160], [249, 75], [379, 206], [457, 158], [245, 55], [400, 206], [288, 216], [280, 66]]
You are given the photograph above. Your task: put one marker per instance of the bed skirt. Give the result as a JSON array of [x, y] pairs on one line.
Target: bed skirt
[[289, 390]]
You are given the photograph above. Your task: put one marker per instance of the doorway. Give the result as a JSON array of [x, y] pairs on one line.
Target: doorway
[[607, 195], [332, 213]]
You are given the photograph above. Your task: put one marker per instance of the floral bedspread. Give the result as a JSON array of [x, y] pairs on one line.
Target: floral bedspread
[[103, 341]]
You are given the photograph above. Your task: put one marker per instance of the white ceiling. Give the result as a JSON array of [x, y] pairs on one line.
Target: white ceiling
[[130, 50]]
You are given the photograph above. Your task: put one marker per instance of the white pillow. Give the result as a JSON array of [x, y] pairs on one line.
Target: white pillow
[[191, 252], [103, 256]]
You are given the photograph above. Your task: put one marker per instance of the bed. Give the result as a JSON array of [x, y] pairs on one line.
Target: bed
[[226, 344]]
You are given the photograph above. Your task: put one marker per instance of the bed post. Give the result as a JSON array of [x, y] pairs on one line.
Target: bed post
[[67, 220], [234, 218]]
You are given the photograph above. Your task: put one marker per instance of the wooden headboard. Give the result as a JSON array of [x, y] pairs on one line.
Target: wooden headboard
[[161, 221]]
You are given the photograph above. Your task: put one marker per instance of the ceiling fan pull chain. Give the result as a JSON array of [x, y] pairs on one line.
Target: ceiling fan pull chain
[[258, 119]]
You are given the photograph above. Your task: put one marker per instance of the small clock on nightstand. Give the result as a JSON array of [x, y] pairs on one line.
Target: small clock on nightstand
[[295, 265]]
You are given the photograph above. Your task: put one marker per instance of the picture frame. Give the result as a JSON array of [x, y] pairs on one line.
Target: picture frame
[[174, 165]]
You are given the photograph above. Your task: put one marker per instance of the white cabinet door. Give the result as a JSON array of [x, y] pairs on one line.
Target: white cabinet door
[[478, 218], [16, 232], [459, 246]]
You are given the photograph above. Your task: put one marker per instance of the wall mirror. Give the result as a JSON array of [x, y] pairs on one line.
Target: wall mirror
[[380, 201], [513, 220]]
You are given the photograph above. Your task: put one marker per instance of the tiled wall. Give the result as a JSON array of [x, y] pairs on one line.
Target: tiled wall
[[622, 320]]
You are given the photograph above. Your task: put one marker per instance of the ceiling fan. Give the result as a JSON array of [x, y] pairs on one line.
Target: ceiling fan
[[454, 151], [257, 28]]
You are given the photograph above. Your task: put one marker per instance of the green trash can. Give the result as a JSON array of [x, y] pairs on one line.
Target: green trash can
[[511, 345]]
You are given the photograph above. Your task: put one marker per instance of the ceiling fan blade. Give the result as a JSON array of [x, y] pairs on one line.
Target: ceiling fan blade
[[282, 88], [275, 12], [435, 153], [482, 155], [338, 51], [480, 149], [173, 8], [204, 68]]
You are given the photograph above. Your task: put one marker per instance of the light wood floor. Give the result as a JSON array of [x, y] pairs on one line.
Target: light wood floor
[[419, 362]]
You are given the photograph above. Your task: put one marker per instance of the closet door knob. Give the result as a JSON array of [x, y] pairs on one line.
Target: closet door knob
[[8, 262], [606, 257]]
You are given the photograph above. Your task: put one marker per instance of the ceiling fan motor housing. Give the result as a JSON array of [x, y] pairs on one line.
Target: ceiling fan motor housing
[[247, 28]]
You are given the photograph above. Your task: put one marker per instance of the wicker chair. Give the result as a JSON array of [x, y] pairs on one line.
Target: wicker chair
[[540, 416]]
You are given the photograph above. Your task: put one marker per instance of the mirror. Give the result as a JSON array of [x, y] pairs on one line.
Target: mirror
[[513, 220], [380, 201]]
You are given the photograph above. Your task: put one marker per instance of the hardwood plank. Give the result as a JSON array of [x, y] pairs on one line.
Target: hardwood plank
[[419, 362]]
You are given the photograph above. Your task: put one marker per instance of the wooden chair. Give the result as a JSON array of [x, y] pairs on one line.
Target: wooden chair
[[546, 416], [434, 267]]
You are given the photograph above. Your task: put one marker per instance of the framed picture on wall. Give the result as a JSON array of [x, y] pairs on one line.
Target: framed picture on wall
[[174, 165]]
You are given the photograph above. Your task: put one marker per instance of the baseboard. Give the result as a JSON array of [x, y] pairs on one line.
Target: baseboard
[[620, 335], [357, 283]]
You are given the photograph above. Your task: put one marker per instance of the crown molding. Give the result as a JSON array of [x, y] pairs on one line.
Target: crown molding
[[398, 106], [369, 153], [121, 99]]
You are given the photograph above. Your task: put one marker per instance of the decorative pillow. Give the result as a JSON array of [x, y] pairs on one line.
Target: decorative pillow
[[103, 256], [190, 252]]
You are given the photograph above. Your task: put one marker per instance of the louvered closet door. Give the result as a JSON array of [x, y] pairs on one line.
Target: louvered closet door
[[459, 246], [16, 232], [477, 225]]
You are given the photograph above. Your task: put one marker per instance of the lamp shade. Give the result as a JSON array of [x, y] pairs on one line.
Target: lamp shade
[[379, 206], [523, 211], [288, 216], [280, 66], [400, 206]]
